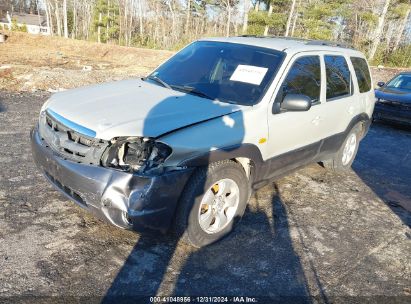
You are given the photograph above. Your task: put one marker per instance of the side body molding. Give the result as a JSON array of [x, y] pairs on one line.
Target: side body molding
[[249, 151], [262, 171]]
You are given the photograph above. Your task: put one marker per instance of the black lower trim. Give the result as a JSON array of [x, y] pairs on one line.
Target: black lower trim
[[244, 150], [264, 171], [284, 163], [332, 144]]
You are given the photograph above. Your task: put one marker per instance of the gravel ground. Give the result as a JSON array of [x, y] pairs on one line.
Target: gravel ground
[[313, 236]]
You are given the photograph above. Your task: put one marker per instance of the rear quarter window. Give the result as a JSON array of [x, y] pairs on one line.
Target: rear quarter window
[[363, 73], [338, 76]]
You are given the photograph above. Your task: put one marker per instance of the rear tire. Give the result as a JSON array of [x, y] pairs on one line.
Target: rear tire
[[212, 203], [344, 158]]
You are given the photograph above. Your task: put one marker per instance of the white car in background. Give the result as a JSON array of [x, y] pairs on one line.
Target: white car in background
[[186, 146]]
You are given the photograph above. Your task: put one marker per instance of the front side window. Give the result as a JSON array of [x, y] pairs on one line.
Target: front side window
[[338, 76], [227, 72], [304, 78], [363, 73]]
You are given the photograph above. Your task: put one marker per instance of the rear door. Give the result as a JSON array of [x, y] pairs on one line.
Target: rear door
[[341, 101], [364, 83]]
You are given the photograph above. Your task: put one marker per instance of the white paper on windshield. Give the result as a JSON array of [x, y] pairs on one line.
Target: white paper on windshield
[[249, 74]]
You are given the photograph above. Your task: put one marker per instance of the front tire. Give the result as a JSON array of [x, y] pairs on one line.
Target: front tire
[[345, 156], [212, 203]]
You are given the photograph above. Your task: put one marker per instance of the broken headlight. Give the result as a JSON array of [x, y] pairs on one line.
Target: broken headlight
[[135, 154]]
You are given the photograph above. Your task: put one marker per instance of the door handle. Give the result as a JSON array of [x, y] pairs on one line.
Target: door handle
[[316, 120]]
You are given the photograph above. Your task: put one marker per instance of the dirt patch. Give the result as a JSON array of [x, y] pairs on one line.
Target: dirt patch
[[30, 63], [385, 74]]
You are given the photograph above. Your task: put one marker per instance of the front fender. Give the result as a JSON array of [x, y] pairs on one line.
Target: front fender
[[217, 139]]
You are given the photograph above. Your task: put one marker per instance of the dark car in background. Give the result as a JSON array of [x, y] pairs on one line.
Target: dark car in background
[[394, 100]]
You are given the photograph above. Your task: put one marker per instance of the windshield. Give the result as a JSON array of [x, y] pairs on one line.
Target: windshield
[[402, 82], [228, 72]]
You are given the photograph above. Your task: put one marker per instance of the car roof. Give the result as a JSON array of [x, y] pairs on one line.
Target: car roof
[[289, 45]]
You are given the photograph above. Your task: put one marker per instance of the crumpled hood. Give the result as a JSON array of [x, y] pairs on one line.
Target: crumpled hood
[[134, 108], [393, 95]]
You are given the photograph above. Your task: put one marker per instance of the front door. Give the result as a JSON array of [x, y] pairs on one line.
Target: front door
[[295, 137]]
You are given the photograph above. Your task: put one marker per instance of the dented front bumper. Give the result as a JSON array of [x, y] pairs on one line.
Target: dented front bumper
[[124, 199]]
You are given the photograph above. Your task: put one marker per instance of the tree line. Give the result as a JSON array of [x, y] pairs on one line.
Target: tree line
[[380, 28]]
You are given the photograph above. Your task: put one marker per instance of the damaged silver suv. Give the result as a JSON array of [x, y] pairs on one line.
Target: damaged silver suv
[[185, 146]]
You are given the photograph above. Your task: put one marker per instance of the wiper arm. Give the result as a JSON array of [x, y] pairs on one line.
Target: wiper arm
[[192, 90], [158, 80]]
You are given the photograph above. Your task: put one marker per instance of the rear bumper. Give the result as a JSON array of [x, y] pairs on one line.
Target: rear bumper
[[392, 114], [124, 199]]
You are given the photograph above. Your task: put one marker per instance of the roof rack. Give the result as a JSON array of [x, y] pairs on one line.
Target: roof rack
[[306, 41], [329, 43], [276, 37]]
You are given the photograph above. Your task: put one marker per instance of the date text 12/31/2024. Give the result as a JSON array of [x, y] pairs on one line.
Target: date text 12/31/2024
[[176, 299]]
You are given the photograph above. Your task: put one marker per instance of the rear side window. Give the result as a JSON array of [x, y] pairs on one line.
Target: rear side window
[[338, 76], [363, 73], [304, 77]]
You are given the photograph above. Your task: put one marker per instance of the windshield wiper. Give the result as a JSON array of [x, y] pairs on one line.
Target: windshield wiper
[[192, 90], [158, 80], [186, 89]]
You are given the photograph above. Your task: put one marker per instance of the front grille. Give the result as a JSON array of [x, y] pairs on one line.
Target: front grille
[[69, 143], [70, 192], [81, 139]]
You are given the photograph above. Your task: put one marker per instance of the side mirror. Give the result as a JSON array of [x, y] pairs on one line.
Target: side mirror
[[296, 102], [381, 84]]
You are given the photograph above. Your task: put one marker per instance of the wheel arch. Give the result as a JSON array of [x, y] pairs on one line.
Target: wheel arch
[[361, 119]]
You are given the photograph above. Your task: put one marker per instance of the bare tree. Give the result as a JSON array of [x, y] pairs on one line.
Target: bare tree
[[140, 16], [100, 18], [379, 30], [188, 13], [270, 12], [257, 6], [401, 29], [246, 9], [65, 18], [295, 19], [290, 16], [58, 17], [228, 8], [48, 16]]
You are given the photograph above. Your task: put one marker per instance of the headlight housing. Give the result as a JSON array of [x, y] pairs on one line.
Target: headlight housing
[[135, 154], [45, 105]]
